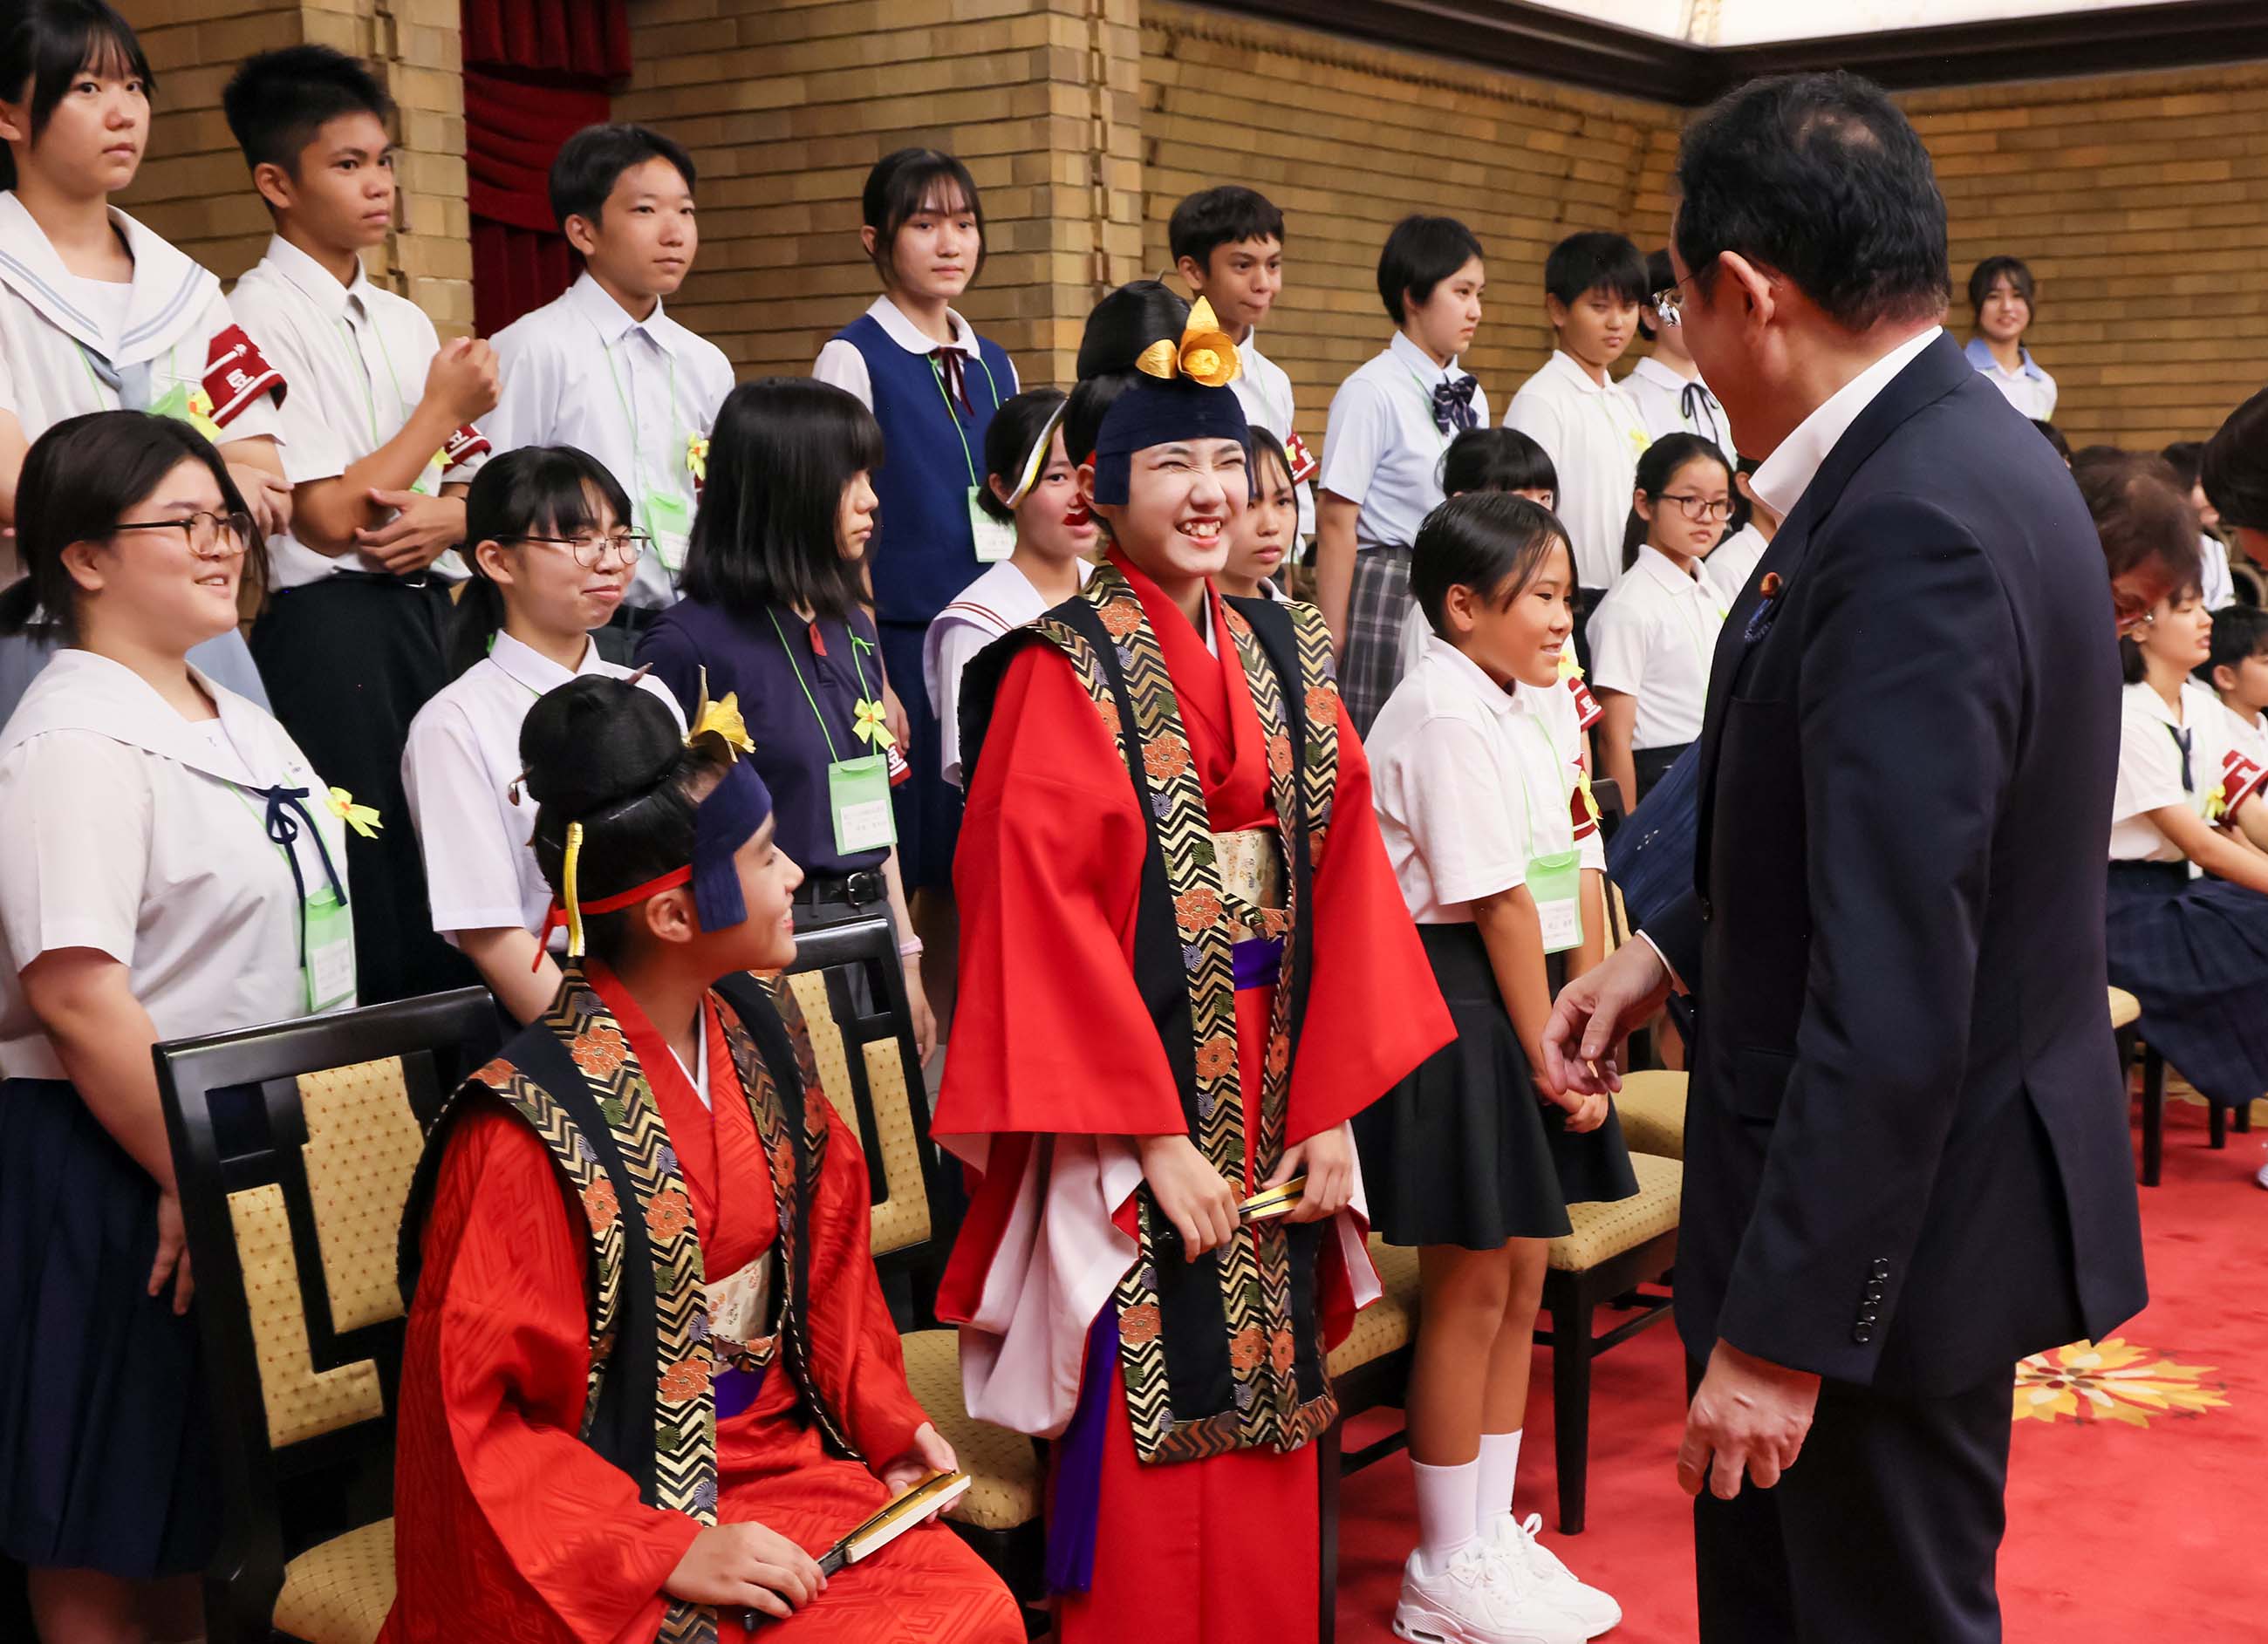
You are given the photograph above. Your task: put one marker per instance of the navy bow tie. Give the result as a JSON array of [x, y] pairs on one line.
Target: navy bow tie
[[2185, 742], [1453, 403]]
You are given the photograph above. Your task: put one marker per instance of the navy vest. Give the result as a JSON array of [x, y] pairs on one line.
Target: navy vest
[[922, 554]]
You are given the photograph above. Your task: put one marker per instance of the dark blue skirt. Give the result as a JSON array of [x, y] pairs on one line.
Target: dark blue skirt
[[106, 1463], [925, 806], [2195, 952]]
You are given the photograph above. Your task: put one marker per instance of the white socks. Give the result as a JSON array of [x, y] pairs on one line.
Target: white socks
[[1446, 1519], [1499, 1461]]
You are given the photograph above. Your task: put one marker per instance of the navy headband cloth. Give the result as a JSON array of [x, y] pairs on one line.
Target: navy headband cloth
[[1153, 413]]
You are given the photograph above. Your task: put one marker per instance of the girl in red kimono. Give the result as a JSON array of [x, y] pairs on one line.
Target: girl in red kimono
[[652, 1170], [1184, 967]]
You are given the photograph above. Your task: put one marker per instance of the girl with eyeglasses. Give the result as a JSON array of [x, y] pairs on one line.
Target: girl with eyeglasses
[[173, 866], [1653, 636], [552, 559]]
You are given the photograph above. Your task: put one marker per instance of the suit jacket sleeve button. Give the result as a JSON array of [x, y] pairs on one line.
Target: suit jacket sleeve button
[[1862, 1334]]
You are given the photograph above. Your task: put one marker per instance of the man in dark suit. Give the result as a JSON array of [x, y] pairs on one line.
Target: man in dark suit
[[1906, 1154]]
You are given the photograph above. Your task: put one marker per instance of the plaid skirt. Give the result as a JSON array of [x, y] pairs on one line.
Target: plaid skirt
[[1376, 606], [2195, 953]]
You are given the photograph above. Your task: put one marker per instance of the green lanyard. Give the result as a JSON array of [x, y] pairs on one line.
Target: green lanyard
[[937, 375], [1527, 797], [629, 411], [863, 693], [362, 369]]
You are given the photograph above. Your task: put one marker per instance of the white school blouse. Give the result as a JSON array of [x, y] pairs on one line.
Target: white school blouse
[[2151, 767], [129, 832], [1733, 561], [355, 357], [1000, 599], [635, 394], [459, 770], [1594, 436], [2216, 586], [1651, 637], [841, 364], [1472, 782], [2027, 388], [1264, 391], [1381, 447], [1668, 403]]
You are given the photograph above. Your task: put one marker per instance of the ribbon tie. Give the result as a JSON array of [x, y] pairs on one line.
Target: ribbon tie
[[952, 376], [1696, 405], [871, 727], [2184, 741], [284, 831], [1453, 403]]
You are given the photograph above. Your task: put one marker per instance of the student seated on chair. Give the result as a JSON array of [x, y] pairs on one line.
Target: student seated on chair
[[649, 1169]]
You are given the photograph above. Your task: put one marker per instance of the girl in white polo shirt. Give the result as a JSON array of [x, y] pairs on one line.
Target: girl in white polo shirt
[[552, 559], [173, 867], [1653, 636], [1480, 805]]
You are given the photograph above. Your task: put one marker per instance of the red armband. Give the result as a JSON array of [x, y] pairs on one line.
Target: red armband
[[237, 374], [1303, 465], [2241, 778], [464, 445], [1587, 711]]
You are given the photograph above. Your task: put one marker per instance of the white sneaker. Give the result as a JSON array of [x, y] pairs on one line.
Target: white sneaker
[[1514, 1541], [2262, 1177], [1479, 1599]]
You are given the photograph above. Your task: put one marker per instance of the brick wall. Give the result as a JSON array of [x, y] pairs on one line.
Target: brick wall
[[787, 107]]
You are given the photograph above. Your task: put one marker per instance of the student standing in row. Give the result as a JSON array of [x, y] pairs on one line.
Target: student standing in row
[[551, 555], [97, 313], [1262, 538], [380, 442], [603, 369], [934, 386], [2000, 296], [1594, 285], [1390, 424], [1666, 386], [142, 896]]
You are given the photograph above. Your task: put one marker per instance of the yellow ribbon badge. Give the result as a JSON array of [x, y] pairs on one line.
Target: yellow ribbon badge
[[696, 459], [2216, 802], [362, 819], [1583, 787], [1205, 355], [721, 721], [201, 413], [1569, 668], [871, 727]]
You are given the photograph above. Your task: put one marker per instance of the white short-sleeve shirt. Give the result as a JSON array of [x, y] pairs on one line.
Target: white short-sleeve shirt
[[2152, 773], [130, 832], [2027, 388], [1471, 782], [355, 357], [1733, 561], [1000, 599], [1265, 390], [635, 394], [1381, 448], [2216, 586], [461, 770], [1668, 403], [1594, 436], [1651, 637]]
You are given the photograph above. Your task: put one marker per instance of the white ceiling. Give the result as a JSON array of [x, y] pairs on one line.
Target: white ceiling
[[1751, 22]]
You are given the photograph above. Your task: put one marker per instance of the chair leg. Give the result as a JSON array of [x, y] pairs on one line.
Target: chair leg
[[1570, 1400], [2216, 1125], [1328, 1451], [2241, 1121], [2154, 1116]]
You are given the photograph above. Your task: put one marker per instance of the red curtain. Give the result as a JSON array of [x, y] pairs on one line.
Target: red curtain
[[536, 71]]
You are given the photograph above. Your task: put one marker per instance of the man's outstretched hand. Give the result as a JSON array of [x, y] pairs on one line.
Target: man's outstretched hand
[[1593, 1013]]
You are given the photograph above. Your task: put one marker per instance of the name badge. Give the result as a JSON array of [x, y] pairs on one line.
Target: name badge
[[330, 966], [669, 517], [1556, 883], [859, 799], [995, 539]]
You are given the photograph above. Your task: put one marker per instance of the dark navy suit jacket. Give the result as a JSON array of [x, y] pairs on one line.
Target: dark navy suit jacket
[[1907, 1162]]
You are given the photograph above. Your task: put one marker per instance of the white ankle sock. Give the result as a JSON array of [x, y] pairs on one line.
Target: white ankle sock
[[1446, 1519], [1500, 1462]]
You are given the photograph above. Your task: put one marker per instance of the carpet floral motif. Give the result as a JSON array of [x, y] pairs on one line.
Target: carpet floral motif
[[2113, 1381]]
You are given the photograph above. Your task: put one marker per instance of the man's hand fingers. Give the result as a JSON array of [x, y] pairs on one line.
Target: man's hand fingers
[[1764, 1472], [1692, 1459], [1725, 1472]]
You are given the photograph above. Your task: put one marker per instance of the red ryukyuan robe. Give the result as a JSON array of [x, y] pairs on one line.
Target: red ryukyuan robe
[[1056, 1063], [508, 1527]]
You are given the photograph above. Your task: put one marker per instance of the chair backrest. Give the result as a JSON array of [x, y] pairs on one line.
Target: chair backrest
[[294, 1146], [847, 979]]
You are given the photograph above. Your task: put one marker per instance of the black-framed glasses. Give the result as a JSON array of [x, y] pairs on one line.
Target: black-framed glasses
[[1698, 507], [592, 552], [1668, 304], [209, 536]]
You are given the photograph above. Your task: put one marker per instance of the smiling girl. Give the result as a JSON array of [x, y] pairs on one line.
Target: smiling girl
[[2001, 295]]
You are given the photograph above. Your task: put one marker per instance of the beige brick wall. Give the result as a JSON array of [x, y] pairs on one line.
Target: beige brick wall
[[193, 186], [787, 107]]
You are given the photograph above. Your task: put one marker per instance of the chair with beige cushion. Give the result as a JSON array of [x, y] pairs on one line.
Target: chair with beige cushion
[[1651, 1108], [294, 1147]]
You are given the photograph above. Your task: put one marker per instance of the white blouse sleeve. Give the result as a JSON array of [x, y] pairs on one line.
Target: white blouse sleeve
[[1619, 637], [472, 862], [841, 363], [1355, 439], [75, 807], [956, 648], [1456, 813]]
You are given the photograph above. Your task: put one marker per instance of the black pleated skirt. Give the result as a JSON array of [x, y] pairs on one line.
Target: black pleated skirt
[[2195, 953], [105, 1462], [1464, 1151]]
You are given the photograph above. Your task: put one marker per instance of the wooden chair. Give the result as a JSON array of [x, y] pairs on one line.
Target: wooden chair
[[294, 1147], [2125, 1013], [1651, 1108], [1369, 1368]]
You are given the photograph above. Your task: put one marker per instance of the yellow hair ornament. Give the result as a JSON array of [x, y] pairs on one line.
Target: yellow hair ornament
[[362, 819], [567, 891], [720, 720], [1205, 355]]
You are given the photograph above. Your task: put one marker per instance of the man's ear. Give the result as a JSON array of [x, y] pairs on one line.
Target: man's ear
[[1756, 289], [582, 233]]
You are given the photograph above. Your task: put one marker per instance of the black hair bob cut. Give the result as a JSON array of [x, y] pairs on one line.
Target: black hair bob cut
[[45, 45], [277, 101], [902, 186], [1496, 459], [78, 481], [1267, 448], [1657, 467], [592, 162], [1118, 328], [1820, 176], [1492, 542], [2234, 468], [532, 491], [1221, 216], [1596, 260], [606, 753], [1991, 272], [1008, 441], [782, 452], [2240, 633], [1421, 251]]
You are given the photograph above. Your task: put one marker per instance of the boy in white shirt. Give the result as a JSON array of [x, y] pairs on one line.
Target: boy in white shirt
[[2236, 671], [1229, 248], [1666, 386], [1594, 285], [380, 442], [603, 369]]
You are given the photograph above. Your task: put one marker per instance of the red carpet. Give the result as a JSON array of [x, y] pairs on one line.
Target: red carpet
[[2139, 1517]]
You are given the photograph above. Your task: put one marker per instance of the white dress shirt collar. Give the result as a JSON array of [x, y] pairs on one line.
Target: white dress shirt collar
[[318, 284], [1568, 370], [1656, 564], [1472, 678], [1654, 370], [1422, 363], [910, 337], [587, 298], [535, 671], [1784, 476]]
